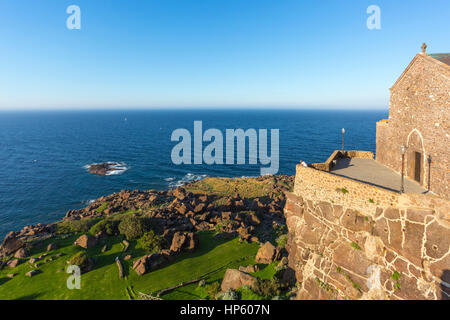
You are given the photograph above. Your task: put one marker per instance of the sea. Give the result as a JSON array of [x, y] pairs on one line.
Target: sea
[[45, 155]]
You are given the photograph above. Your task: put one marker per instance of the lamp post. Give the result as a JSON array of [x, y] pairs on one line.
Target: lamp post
[[343, 132], [403, 151], [429, 171]]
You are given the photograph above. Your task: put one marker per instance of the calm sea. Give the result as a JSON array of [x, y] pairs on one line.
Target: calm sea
[[44, 154]]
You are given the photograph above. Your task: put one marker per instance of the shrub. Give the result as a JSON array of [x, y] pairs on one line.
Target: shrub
[[151, 242], [132, 227], [80, 259], [282, 240], [75, 226], [355, 246], [230, 295], [102, 207], [110, 227], [269, 288], [213, 290]]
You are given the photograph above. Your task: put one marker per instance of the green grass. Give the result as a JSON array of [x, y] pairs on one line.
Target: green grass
[[210, 260], [102, 207], [355, 246], [245, 187], [266, 271]]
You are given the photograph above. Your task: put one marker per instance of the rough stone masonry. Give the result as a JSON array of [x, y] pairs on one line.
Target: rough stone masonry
[[350, 240], [419, 120]]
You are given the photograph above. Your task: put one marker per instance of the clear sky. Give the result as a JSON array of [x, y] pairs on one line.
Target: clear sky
[[211, 53]]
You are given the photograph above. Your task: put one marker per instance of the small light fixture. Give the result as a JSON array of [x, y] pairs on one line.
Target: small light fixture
[[429, 171], [402, 185], [403, 149]]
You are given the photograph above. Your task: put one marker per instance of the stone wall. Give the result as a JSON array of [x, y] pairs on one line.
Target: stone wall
[[419, 118], [366, 242], [337, 154]]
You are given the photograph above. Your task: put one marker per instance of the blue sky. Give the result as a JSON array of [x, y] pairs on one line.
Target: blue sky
[[211, 53]]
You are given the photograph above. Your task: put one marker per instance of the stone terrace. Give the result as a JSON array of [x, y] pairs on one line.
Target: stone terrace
[[371, 172]]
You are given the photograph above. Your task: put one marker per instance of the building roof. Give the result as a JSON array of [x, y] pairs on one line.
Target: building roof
[[442, 57]]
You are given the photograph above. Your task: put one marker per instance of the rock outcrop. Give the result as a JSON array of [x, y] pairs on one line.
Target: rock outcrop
[[21, 253], [184, 241], [86, 241], [149, 263], [105, 168], [234, 279], [268, 253]]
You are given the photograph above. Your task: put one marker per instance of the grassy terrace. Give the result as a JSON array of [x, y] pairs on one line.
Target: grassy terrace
[[245, 187], [210, 260]]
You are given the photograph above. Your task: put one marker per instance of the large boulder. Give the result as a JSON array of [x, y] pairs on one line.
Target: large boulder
[[149, 263], [140, 265], [13, 263], [21, 253], [31, 273], [249, 269], [52, 246], [187, 241], [267, 253], [234, 279], [10, 245], [86, 241]]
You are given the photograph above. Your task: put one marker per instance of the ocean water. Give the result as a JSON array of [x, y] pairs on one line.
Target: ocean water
[[44, 155]]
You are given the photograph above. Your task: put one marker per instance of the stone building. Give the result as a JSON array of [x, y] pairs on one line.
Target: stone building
[[357, 230], [419, 120]]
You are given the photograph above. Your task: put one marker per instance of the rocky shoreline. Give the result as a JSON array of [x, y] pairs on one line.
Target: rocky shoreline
[[175, 214]]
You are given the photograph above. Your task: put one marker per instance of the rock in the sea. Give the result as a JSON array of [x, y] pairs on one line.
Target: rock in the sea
[[86, 241], [234, 279], [105, 168], [21, 253]]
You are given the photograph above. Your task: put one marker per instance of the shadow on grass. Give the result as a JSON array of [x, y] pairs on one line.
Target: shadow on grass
[[186, 295], [30, 296], [40, 247], [207, 243], [4, 280]]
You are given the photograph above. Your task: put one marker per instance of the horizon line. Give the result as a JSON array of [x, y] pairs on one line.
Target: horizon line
[[181, 108]]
